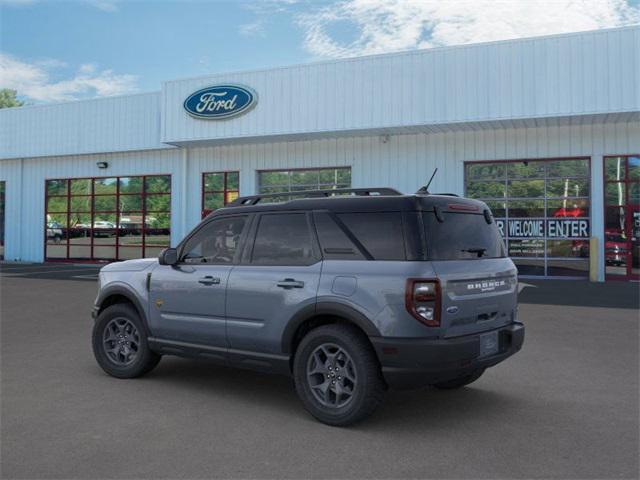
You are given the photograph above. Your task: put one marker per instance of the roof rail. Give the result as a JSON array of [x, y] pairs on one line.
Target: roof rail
[[360, 192]]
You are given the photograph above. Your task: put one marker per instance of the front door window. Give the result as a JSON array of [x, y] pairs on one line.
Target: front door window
[[622, 217]]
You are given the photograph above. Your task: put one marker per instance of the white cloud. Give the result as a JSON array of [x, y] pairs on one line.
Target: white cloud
[[252, 28], [35, 82], [391, 25], [104, 5]]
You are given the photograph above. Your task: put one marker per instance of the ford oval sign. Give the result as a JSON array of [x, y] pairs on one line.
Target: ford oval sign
[[220, 102]]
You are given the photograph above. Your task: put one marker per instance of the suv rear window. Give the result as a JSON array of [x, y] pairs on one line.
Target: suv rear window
[[380, 233], [283, 239], [462, 236]]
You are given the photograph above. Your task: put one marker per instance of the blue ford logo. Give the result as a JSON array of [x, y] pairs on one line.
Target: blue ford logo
[[220, 101]]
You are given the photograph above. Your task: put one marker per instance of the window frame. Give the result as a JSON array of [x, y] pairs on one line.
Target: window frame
[[92, 213], [301, 169], [224, 192], [505, 179], [241, 243], [252, 234], [627, 207]]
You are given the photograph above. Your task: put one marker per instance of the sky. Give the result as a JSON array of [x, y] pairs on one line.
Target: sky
[[55, 50]]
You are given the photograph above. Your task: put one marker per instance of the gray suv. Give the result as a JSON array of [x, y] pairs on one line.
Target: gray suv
[[350, 292]]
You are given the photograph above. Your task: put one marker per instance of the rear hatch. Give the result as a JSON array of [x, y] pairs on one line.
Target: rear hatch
[[478, 283]]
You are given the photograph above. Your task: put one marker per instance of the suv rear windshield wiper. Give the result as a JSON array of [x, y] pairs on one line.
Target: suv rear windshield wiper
[[479, 251]]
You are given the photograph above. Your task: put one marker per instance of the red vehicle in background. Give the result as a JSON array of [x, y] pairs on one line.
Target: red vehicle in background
[[569, 212], [615, 247]]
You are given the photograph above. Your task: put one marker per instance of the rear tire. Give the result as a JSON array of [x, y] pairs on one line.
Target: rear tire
[[460, 382], [337, 375], [120, 344]]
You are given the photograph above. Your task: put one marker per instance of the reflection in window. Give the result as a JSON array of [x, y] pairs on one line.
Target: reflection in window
[[216, 242], [614, 168], [219, 189], [300, 180], [526, 208], [530, 169], [107, 218], [573, 187], [283, 239], [523, 194], [525, 188], [568, 208], [615, 193]]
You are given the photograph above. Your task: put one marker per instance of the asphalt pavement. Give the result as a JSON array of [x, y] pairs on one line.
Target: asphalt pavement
[[566, 406]]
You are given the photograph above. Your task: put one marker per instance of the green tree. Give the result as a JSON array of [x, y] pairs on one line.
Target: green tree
[[8, 98]]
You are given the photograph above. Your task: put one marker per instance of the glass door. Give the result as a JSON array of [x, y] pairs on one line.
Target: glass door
[[622, 217]]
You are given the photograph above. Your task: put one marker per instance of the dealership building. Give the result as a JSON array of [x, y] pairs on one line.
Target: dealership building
[[545, 130]]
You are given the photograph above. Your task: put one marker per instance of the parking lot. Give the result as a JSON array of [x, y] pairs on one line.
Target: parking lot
[[565, 406]]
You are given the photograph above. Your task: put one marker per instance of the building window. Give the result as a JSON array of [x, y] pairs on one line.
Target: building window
[[278, 181], [218, 189], [105, 219], [622, 217], [542, 208]]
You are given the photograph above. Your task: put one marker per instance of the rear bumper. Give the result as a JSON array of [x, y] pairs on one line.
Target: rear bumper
[[414, 363]]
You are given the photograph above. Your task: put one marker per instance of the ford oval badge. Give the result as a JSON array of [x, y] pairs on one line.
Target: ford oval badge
[[220, 102], [452, 309]]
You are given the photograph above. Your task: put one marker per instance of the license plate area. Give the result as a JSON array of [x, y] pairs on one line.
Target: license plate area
[[489, 344]]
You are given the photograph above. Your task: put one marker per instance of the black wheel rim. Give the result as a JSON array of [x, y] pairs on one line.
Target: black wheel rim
[[121, 341], [331, 375]]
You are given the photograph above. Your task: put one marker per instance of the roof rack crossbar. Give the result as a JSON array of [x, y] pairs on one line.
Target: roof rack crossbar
[[362, 192]]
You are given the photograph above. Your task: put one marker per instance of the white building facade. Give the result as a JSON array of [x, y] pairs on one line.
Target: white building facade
[[545, 130]]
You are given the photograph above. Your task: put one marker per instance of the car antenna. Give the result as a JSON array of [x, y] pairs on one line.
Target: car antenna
[[425, 189]]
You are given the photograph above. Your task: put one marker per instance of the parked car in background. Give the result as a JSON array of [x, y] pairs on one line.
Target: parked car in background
[[54, 232], [103, 228]]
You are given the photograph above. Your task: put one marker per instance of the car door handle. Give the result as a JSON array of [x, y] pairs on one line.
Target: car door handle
[[290, 283], [209, 280]]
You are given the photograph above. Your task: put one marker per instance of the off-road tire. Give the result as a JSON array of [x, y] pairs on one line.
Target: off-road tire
[[144, 360], [369, 390], [461, 381]]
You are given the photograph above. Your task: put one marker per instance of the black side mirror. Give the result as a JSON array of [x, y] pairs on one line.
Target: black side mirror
[[169, 256]]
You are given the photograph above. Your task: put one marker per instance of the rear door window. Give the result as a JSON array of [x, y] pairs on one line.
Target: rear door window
[[381, 233], [462, 236], [283, 239], [334, 241]]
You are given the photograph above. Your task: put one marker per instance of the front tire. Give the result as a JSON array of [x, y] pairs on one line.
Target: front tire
[[120, 343], [337, 375]]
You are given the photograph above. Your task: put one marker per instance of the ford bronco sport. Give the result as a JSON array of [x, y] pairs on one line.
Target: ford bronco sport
[[350, 292]]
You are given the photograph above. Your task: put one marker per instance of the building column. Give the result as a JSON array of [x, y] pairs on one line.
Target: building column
[[597, 211], [248, 181]]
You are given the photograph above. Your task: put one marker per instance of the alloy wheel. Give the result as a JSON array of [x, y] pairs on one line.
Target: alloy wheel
[[121, 341], [331, 375]]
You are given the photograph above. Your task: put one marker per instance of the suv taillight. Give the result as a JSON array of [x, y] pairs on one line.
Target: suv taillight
[[422, 299]]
